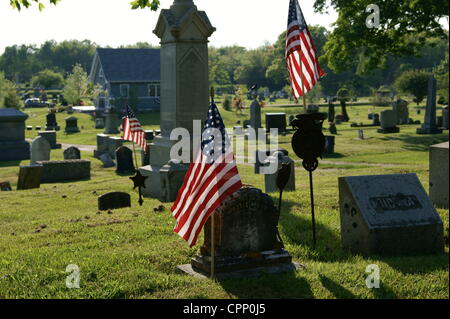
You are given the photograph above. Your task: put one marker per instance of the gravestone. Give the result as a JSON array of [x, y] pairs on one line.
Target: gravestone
[[107, 160], [332, 128], [276, 120], [13, 146], [29, 128], [331, 110], [439, 174], [72, 153], [102, 145], [388, 215], [40, 150], [124, 159], [388, 122], [5, 186], [30, 177], [360, 134], [246, 235], [312, 108], [238, 130], [376, 120], [429, 126], [270, 180], [37, 128], [291, 118], [113, 144], [255, 115], [400, 107], [71, 125], [111, 122], [184, 32], [145, 154], [50, 136], [171, 182], [65, 171], [445, 124], [51, 125], [99, 123], [329, 145], [246, 124], [114, 200]]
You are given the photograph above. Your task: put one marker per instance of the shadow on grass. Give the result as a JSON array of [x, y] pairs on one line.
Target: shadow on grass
[[334, 155], [417, 264], [10, 163], [419, 143], [283, 286], [384, 292], [336, 289]]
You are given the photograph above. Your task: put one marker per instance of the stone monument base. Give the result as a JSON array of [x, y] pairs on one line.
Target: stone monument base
[[52, 128], [428, 131], [14, 151], [389, 130]]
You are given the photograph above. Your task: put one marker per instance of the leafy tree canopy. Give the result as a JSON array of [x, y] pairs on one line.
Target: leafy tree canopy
[[414, 82], [135, 4]]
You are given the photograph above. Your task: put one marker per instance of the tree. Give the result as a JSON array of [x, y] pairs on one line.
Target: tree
[[46, 79], [8, 94], [414, 82], [18, 4], [403, 29], [77, 85]]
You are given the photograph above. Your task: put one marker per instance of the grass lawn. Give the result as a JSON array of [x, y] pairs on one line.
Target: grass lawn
[[133, 253]]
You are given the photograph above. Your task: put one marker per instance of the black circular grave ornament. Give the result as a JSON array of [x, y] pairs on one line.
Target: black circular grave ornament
[[308, 141]]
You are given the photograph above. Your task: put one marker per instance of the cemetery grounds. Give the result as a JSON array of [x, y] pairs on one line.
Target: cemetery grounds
[[133, 252]]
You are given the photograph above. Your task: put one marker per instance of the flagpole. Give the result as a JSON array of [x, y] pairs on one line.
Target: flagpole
[[213, 237]]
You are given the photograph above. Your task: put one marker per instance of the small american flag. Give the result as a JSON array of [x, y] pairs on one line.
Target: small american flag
[[303, 73], [211, 178], [132, 129]]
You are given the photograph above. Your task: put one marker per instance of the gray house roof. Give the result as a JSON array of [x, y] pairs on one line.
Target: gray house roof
[[130, 65]]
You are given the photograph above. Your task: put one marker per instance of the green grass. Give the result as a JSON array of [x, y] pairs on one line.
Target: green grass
[[133, 253]]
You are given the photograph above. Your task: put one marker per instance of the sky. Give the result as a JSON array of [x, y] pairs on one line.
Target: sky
[[248, 23]]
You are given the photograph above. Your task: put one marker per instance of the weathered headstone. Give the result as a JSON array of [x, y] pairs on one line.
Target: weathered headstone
[[270, 180], [276, 120], [171, 182], [246, 235], [255, 115], [114, 143], [12, 135], [312, 108], [439, 174], [51, 125], [360, 134], [388, 122], [114, 200], [400, 107], [30, 177], [107, 160], [5, 186], [72, 153], [99, 123], [124, 159], [102, 145], [388, 214], [40, 150], [112, 123], [329, 145], [429, 126], [65, 171], [71, 125], [50, 136], [376, 120]]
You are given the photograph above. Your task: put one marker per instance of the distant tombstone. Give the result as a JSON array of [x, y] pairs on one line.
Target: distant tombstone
[[331, 110], [376, 120], [238, 130], [5, 186], [270, 180], [172, 178], [246, 124], [111, 123], [51, 125], [124, 159], [360, 134], [255, 115], [71, 125], [329, 145], [99, 123], [13, 146], [114, 200], [400, 107], [332, 129], [245, 232], [312, 108], [30, 177], [145, 157], [439, 174], [102, 145], [445, 124], [40, 150], [72, 153], [37, 128], [370, 116], [276, 120], [50, 136], [388, 215], [149, 135], [388, 122], [65, 171], [429, 126], [29, 128], [107, 160]]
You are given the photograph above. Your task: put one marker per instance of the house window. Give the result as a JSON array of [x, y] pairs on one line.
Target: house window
[[153, 90], [124, 90]]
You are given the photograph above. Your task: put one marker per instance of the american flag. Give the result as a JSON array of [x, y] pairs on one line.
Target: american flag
[[211, 178], [132, 129], [303, 73]]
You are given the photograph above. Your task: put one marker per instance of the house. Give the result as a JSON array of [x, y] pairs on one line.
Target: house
[[127, 76]]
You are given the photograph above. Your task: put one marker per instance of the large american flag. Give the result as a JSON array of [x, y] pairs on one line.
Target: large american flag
[[303, 73], [132, 129], [211, 178]]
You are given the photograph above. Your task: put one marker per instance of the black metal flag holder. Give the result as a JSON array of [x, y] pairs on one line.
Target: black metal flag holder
[[308, 144]]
